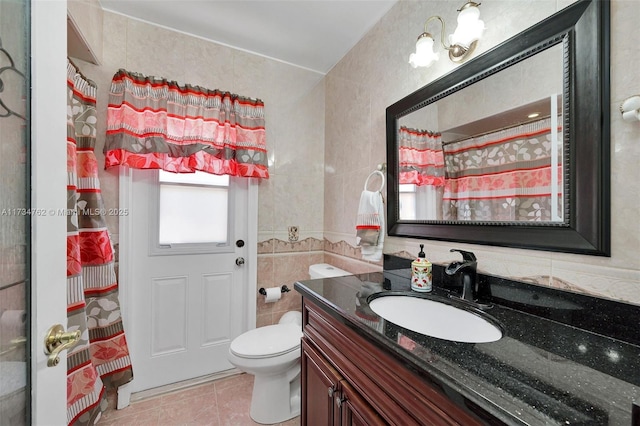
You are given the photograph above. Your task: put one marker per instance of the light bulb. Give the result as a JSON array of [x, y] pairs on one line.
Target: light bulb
[[424, 55], [468, 15], [470, 27]]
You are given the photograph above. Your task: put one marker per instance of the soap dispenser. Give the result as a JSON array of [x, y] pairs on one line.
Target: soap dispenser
[[421, 273]]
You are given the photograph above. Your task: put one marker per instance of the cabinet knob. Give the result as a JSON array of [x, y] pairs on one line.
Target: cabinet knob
[[339, 401], [330, 391]]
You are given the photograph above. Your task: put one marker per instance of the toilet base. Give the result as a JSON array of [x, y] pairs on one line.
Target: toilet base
[[275, 398]]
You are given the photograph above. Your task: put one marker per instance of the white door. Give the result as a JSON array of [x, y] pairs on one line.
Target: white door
[[48, 183], [186, 307]]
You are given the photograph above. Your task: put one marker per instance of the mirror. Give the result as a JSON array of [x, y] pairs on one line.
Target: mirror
[[497, 159], [511, 148]]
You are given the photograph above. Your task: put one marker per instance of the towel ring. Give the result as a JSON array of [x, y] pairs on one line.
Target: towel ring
[[366, 183]]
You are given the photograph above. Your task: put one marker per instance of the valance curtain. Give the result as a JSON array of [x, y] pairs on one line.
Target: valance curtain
[[154, 123], [102, 356], [510, 175], [420, 157]]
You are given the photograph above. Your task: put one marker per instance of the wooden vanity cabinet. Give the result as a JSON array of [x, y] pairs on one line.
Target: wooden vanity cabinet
[[347, 380], [328, 398]]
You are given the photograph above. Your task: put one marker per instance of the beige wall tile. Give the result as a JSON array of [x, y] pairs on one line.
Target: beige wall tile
[[209, 65], [294, 107], [154, 51], [361, 82], [87, 16], [326, 134]]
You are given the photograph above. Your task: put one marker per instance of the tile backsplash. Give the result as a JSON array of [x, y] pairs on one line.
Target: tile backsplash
[[283, 263]]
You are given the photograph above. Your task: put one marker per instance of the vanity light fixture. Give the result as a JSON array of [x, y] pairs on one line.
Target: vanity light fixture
[[461, 43], [630, 109]]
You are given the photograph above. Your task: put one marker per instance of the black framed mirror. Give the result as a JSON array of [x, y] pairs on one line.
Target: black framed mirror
[[496, 174]]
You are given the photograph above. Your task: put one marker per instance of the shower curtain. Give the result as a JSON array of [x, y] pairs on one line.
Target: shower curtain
[[514, 174], [101, 358]]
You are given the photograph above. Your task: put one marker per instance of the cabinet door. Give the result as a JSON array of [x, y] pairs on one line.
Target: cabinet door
[[355, 410], [319, 389]]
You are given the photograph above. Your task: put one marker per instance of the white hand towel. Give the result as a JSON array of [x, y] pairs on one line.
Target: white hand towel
[[370, 225]]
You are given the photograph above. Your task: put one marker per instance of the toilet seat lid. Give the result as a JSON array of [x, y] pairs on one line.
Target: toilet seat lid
[[267, 341]]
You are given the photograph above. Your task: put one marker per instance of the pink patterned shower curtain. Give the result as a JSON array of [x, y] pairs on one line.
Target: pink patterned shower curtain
[[102, 356], [506, 175], [155, 123]]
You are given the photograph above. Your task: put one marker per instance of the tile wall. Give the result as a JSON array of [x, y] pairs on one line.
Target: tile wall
[[375, 74], [326, 134], [294, 108], [283, 263]]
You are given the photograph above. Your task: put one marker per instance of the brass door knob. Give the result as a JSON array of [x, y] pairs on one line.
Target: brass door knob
[[56, 341]]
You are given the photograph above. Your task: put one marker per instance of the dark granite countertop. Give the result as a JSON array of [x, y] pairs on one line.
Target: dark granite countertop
[[555, 365]]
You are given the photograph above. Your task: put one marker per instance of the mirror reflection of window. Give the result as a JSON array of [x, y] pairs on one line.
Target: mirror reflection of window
[[407, 202], [421, 165]]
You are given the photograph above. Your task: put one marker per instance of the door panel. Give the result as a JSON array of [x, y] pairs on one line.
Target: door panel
[[48, 197], [355, 410], [216, 297], [319, 387], [168, 315], [186, 308]]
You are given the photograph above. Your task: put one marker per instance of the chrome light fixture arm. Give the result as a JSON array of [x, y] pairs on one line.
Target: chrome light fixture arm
[[442, 33]]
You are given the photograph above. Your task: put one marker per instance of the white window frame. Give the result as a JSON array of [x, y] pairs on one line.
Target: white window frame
[[157, 249]]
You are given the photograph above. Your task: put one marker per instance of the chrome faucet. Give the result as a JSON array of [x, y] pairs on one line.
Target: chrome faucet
[[466, 272]]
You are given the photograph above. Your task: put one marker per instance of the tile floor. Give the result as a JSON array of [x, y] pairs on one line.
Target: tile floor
[[224, 402]]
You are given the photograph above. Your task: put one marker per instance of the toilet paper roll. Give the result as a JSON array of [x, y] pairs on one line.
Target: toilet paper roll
[[631, 115], [273, 295], [12, 325]]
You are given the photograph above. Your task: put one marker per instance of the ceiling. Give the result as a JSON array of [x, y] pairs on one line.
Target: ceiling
[[313, 34]]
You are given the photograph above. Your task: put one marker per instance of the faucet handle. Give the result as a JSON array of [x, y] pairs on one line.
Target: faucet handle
[[467, 256]]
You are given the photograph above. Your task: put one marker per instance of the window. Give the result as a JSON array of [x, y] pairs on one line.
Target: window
[[193, 212], [407, 200]]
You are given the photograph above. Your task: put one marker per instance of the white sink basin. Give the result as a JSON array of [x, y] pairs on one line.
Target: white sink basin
[[436, 319]]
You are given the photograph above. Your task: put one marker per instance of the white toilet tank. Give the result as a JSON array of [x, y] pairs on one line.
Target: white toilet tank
[[291, 317], [324, 270]]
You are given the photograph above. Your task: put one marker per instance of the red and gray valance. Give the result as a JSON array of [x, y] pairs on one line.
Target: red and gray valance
[[154, 123], [420, 157]]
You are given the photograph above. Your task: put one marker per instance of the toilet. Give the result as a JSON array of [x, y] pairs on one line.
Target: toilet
[[272, 354], [325, 270]]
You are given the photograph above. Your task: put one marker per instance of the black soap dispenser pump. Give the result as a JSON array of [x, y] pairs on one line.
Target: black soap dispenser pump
[[421, 279]]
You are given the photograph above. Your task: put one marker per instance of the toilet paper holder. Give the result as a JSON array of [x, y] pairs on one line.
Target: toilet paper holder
[[283, 289]]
